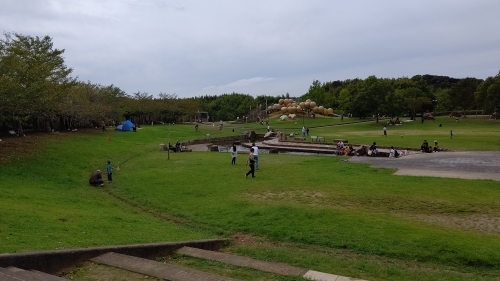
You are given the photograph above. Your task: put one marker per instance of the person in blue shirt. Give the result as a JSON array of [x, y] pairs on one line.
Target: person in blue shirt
[[109, 170]]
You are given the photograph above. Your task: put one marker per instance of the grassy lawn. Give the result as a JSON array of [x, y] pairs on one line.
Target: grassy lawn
[[316, 212]]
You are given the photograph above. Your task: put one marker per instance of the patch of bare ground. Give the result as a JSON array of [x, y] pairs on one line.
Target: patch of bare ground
[[13, 148], [299, 196], [476, 222], [90, 271]]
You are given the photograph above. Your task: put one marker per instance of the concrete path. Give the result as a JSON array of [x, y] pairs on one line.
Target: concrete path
[[465, 165], [273, 267], [157, 269], [17, 274]]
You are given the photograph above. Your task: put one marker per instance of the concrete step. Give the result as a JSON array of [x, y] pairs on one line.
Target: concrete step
[[5, 277], [274, 267], [279, 268], [46, 276], [22, 274], [157, 269]]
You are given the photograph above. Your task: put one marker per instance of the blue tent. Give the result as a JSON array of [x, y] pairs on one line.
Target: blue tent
[[125, 126]]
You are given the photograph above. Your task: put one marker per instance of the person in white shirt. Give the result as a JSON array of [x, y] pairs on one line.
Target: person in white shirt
[[256, 155], [234, 153], [394, 153]]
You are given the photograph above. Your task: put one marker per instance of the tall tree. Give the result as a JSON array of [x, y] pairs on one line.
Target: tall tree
[[373, 96], [462, 93], [415, 99], [316, 93], [488, 94], [33, 76]]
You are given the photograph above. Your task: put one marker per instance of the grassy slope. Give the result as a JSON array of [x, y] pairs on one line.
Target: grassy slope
[[315, 201]]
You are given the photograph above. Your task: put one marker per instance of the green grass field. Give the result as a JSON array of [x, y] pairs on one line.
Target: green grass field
[[315, 212]]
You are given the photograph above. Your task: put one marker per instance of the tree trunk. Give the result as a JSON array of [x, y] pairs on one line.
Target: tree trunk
[[20, 128]]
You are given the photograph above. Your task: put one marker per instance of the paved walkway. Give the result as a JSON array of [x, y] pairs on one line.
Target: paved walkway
[[446, 164], [466, 165], [273, 267]]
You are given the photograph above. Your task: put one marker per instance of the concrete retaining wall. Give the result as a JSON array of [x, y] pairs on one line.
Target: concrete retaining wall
[[54, 261]]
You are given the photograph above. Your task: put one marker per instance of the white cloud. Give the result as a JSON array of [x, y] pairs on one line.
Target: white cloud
[[240, 83], [182, 46]]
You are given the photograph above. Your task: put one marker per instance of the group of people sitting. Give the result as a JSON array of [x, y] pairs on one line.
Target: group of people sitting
[[425, 147], [343, 149], [372, 150], [176, 148]]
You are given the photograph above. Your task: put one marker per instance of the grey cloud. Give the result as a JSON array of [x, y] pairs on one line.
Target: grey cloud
[[183, 47]]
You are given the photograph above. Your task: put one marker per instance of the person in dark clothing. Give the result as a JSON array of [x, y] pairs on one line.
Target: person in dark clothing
[[373, 148], [234, 153], [251, 163], [96, 178], [109, 171], [425, 147]]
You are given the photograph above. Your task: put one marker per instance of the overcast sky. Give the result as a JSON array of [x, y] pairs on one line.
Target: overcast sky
[[272, 47]]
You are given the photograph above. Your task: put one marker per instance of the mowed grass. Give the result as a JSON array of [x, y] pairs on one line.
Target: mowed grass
[[469, 134], [311, 211]]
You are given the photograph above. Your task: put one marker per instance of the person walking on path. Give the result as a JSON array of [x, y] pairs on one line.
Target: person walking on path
[[256, 155], [385, 131], [233, 154], [307, 131], [251, 163], [303, 131], [109, 171]]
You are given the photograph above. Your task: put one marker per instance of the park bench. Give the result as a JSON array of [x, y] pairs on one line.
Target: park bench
[[299, 138], [317, 139]]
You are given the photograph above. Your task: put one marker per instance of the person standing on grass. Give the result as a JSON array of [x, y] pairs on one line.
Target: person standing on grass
[[256, 155], [109, 171], [251, 163], [385, 131], [451, 134], [234, 153]]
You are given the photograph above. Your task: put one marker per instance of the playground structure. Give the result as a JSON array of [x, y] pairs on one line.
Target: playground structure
[[289, 106]]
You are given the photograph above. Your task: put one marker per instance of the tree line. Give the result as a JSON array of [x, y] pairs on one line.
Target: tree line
[[38, 92], [408, 96]]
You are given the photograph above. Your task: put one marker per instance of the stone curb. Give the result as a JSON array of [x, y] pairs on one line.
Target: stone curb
[[53, 261]]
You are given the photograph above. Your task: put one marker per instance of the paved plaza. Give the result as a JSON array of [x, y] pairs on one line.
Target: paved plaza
[[466, 165]]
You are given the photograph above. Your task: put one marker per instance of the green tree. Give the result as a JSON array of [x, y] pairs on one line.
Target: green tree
[[415, 99], [487, 95], [33, 77], [372, 97], [316, 93], [462, 94], [344, 100]]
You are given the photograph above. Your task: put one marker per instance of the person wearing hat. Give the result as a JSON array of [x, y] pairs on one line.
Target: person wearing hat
[[96, 178], [436, 146]]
